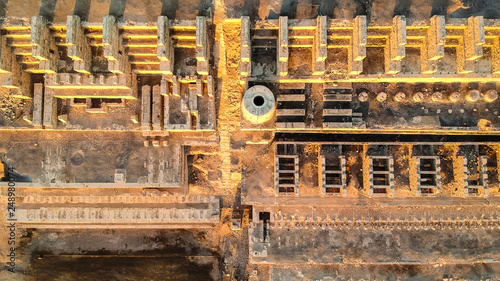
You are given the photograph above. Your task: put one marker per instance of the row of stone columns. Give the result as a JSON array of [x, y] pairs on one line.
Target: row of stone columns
[[432, 45]]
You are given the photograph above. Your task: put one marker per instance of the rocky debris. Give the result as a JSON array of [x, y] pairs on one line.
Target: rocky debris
[[11, 108]]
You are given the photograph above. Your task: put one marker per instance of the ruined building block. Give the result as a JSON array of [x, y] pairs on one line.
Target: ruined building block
[[333, 115], [470, 46], [476, 180], [428, 175], [381, 175], [332, 176], [202, 46], [433, 47], [291, 111], [49, 110], [146, 108], [343, 114], [395, 48], [42, 43], [78, 49], [320, 46], [286, 170], [176, 109], [165, 50], [283, 47], [37, 105], [120, 176], [291, 97], [357, 51], [246, 48], [157, 109]]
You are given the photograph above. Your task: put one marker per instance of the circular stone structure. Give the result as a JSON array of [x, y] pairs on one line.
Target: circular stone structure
[[418, 97], [400, 97], [455, 97], [258, 104], [473, 95], [490, 96], [437, 96], [363, 97], [381, 97]]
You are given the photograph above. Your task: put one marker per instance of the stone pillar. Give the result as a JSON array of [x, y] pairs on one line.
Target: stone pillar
[[320, 48], [112, 45], [193, 105], [283, 47], [470, 46], [202, 46], [78, 49], [395, 48], [210, 86], [166, 111], [495, 56], [433, 47], [146, 108], [157, 112], [176, 86], [49, 110], [357, 51], [38, 105], [246, 48], [165, 50], [42, 42]]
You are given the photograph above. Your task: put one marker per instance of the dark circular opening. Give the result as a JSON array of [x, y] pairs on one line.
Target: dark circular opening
[[77, 159], [258, 100]]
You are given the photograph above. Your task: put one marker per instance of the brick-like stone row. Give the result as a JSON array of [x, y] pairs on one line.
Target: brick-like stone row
[[118, 199], [116, 215]]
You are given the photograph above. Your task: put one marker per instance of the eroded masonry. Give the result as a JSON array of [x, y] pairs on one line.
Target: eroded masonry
[[162, 141]]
